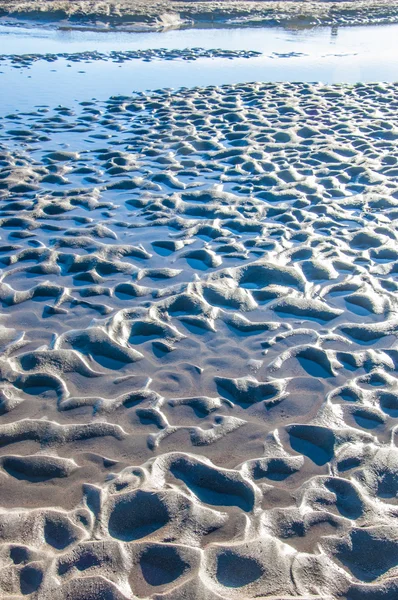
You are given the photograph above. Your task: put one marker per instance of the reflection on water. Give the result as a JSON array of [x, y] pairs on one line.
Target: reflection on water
[[346, 54], [316, 40]]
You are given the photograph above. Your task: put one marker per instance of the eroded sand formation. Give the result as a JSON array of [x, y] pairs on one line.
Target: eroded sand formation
[[199, 320], [171, 14]]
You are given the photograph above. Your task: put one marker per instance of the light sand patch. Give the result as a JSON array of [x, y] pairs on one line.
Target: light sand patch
[[163, 15]]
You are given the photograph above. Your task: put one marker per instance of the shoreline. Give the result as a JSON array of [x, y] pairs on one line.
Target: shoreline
[[161, 15]]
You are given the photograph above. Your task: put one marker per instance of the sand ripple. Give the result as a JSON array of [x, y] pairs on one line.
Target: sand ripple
[[198, 334]]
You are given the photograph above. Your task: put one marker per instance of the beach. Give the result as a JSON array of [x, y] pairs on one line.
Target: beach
[[198, 392]]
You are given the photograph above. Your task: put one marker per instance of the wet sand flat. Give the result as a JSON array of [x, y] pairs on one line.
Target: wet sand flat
[[198, 388]]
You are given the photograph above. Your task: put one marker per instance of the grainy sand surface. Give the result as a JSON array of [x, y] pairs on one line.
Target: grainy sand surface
[[199, 346], [160, 15]]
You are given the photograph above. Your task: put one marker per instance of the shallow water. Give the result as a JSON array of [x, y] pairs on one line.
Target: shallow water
[[332, 55], [375, 40]]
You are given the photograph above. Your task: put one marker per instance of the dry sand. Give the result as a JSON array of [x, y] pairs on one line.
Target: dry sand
[[171, 14], [198, 333]]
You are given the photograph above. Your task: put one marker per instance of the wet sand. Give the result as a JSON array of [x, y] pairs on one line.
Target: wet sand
[[199, 345]]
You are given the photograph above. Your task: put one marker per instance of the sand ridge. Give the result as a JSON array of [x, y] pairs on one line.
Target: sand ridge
[[198, 332], [162, 15]]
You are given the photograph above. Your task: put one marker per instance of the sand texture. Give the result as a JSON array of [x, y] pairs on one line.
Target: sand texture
[[198, 388], [171, 14], [122, 56]]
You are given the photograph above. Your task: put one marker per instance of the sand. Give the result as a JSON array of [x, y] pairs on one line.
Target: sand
[[199, 345], [161, 15], [122, 56]]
